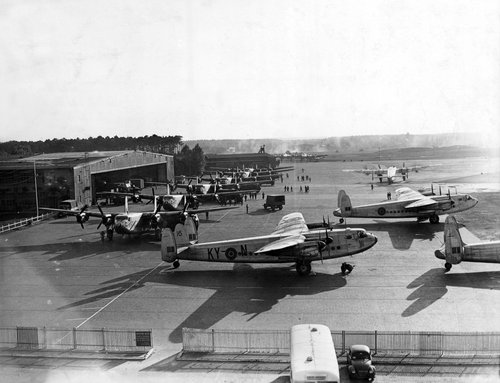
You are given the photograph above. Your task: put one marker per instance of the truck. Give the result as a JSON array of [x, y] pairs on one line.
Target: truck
[[68, 204], [274, 201]]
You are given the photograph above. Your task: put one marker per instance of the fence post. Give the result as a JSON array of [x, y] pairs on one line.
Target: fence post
[[103, 339], [343, 341], [376, 338], [74, 338], [213, 340]]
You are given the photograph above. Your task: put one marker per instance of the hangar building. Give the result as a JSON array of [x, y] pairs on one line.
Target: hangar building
[[75, 175]]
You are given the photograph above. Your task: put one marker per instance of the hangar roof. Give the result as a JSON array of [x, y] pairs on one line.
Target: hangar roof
[[63, 159]]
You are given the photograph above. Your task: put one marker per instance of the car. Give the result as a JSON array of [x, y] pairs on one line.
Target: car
[[359, 362]]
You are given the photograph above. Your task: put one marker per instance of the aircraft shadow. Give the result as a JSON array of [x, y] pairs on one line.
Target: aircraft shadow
[[433, 285], [402, 234], [67, 251], [243, 289]]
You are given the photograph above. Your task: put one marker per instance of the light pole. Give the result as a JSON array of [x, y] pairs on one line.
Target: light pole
[[36, 189]]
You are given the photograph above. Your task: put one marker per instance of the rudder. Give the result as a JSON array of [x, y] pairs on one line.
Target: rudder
[[344, 203], [453, 244], [168, 245]]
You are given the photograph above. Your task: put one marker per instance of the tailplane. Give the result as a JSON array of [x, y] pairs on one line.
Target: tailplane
[[453, 244], [344, 203]]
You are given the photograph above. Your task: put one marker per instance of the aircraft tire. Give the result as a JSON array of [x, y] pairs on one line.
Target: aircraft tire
[[434, 219], [176, 264], [447, 266], [303, 268]]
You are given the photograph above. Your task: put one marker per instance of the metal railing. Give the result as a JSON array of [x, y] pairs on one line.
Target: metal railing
[[463, 343], [24, 222], [104, 339]]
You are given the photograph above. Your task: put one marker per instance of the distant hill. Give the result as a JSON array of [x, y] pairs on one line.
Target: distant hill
[[411, 144]]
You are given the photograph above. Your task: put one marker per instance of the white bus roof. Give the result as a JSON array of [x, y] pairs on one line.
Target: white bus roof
[[313, 354]]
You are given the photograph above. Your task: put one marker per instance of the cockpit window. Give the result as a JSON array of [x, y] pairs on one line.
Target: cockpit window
[[361, 234]]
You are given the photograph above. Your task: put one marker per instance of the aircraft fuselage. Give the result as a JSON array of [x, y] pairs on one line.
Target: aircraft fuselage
[[397, 209], [243, 250]]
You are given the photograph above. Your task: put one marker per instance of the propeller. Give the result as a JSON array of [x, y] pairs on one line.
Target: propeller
[[152, 191], [105, 219], [323, 244], [82, 217], [156, 217]]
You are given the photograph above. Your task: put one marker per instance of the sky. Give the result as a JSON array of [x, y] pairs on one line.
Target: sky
[[214, 69]]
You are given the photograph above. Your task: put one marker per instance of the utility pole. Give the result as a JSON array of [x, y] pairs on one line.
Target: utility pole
[[36, 189]]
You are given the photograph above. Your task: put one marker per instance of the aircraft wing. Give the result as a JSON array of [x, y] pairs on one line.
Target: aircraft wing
[[416, 200], [73, 212], [291, 224], [209, 209], [281, 244], [405, 194]]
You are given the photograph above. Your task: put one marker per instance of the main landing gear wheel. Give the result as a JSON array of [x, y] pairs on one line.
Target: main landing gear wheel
[[109, 234], [434, 218], [303, 268], [176, 264], [447, 266], [346, 268]]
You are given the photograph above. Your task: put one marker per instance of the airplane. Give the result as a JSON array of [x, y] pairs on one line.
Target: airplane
[[389, 173], [407, 204], [139, 223], [291, 241], [456, 251], [220, 193]]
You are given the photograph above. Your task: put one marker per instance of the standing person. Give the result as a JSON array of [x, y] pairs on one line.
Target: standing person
[[388, 195], [371, 186], [263, 195], [247, 208]]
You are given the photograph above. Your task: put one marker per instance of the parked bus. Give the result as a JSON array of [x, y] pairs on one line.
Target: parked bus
[[312, 355]]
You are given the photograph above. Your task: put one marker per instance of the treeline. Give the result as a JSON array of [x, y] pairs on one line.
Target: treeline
[[154, 143], [190, 161]]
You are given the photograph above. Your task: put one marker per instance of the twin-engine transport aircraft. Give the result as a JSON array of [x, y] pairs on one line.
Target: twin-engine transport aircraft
[[390, 174], [407, 204], [139, 223], [456, 251], [291, 241]]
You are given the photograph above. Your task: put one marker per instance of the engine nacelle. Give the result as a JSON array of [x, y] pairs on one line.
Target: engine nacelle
[[309, 249]]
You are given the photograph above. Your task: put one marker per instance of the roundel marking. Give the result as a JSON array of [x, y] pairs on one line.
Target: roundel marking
[[381, 210], [231, 253]]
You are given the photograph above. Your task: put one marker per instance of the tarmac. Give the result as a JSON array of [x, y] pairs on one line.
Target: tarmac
[[55, 274]]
